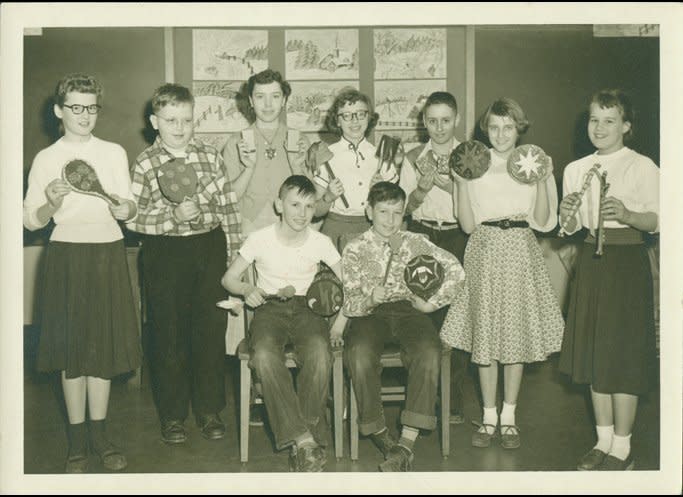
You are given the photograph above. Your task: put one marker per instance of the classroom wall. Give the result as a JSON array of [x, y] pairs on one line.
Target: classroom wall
[[552, 71]]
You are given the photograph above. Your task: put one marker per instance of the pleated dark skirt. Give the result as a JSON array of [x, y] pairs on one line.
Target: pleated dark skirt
[[88, 324], [609, 341]]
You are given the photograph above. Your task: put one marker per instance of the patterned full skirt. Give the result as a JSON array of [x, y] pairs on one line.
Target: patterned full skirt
[[508, 311]]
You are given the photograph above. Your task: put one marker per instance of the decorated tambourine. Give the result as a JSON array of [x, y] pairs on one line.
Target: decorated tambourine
[[82, 177], [470, 159], [424, 276], [528, 164], [177, 180], [325, 296]]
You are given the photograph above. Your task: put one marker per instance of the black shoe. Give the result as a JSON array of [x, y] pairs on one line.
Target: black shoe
[[400, 458], [611, 463], [592, 460], [112, 458], [256, 415], [211, 425], [173, 432], [383, 441], [307, 459], [77, 463]]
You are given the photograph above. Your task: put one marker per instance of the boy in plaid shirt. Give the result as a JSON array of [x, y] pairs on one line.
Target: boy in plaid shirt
[[189, 241]]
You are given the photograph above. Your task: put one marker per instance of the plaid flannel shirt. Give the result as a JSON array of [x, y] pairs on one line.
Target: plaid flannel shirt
[[215, 197]]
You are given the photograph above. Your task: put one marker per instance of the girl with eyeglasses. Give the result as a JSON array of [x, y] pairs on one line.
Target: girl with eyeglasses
[[88, 320], [354, 166]]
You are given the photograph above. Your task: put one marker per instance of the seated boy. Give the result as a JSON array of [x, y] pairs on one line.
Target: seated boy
[[286, 254], [390, 313], [183, 258]]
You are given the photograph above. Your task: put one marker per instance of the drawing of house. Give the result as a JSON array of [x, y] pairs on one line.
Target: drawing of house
[[336, 59]]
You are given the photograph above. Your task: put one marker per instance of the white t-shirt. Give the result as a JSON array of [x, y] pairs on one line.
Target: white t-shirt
[[279, 265], [437, 204], [496, 195], [81, 218], [633, 178], [355, 170]]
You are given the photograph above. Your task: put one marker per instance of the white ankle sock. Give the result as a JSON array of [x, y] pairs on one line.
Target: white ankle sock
[[507, 415], [490, 418], [605, 434], [621, 447]]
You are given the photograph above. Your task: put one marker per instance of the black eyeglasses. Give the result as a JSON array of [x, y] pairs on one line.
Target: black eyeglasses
[[348, 116], [78, 108]]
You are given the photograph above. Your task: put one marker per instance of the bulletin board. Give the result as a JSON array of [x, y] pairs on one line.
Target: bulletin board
[[397, 66]]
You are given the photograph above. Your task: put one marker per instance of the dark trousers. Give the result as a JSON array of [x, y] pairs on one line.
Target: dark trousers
[[413, 331], [182, 284], [292, 413], [454, 241]]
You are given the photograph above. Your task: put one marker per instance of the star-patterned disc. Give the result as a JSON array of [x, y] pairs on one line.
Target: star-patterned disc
[[470, 159], [528, 164]]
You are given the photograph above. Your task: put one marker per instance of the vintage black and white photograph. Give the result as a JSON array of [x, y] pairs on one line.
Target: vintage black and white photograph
[[351, 239]]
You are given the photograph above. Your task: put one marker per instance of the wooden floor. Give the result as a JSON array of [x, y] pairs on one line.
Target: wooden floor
[[554, 417]]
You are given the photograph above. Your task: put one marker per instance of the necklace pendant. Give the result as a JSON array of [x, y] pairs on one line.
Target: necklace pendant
[[270, 153]]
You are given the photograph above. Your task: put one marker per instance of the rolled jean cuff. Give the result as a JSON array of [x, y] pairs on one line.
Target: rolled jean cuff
[[372, 427], [289, 440], [417, 420]]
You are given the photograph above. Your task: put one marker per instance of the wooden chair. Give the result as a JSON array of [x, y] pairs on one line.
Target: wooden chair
[[391, 358]]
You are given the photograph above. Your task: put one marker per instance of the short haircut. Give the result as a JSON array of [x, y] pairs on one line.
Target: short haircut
[[266, 77], [78, 82], [171, 94], [441, 97], [505, 107], [350, 96], [298, 182], [616, 97], [385, 191]]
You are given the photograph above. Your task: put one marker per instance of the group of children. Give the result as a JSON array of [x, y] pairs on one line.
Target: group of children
[[256, 208]]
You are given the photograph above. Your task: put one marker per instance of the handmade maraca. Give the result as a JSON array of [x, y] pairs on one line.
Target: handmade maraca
[[528, 164], [395, 242], [319, 154], [470, 159], [424, 276], [82, 177], [325, 295], [177, 180]]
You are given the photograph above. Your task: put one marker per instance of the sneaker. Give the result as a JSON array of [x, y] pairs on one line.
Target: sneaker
[[173, 432], [482, 437], [591, 460], [307, 459], [399, 458], [612, 463], [256, 415], [383, 441], [509, 437]]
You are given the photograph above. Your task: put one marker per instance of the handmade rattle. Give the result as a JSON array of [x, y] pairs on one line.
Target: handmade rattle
[[325, 295], [395, 242], [82, 177], [528, 164], [319, 154], [424, 276], [470, 160]]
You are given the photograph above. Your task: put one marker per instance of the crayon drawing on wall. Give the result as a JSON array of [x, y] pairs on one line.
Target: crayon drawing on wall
[[215, 109], [412, 53], [321, 53], [399, 103], [309, 102], [224, 54]]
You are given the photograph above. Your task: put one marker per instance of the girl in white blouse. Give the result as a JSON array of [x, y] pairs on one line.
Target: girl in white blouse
[[610, 340], [513, 315]]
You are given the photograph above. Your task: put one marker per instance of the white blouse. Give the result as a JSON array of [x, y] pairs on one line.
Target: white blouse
[[496, 195], [632, 178], [355, 169]]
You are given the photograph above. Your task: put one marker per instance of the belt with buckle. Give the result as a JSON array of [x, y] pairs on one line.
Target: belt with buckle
[[505, 224], [436, 225]]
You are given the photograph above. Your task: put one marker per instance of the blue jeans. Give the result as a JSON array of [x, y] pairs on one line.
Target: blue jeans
[[413, 331], [292, 413]]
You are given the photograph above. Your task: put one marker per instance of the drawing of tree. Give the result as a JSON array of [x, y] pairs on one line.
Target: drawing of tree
[[354, 59]]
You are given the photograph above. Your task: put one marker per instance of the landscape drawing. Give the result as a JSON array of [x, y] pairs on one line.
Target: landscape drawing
[[399, 103], [309, 102], [321, 53], [215, 109], [225, 54], [410, 53]]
